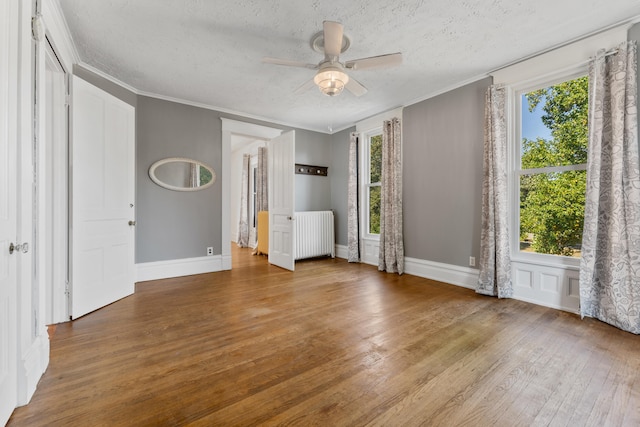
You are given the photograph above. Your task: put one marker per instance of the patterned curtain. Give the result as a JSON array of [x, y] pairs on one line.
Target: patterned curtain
[[353, 209], [262, 174], [243, 225], [495, 259], [391, 254], [610, 263]]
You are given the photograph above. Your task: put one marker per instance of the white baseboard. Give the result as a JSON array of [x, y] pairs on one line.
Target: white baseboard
[[226, 262], [447, 273], [342, 251], [32, 366], [179, 267]]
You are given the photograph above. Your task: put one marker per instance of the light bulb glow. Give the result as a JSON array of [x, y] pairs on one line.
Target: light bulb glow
[[331, 80]]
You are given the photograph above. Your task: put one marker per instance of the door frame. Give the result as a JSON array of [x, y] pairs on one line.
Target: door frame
[[234, 127], [51, 251]]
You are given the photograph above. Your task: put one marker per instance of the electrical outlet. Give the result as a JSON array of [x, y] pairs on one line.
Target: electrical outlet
[[209, 251], [472, 261]]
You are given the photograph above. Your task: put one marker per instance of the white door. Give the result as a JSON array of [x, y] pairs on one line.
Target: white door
[[282, 201], [102, 164], [8, 209]]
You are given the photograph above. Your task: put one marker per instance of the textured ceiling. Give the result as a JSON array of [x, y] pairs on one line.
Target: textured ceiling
[[209, 52]]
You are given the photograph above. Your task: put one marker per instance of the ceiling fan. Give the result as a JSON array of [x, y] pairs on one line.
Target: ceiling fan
[[331, 77]]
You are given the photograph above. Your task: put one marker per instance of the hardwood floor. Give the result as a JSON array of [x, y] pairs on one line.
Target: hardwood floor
[[332, 344]]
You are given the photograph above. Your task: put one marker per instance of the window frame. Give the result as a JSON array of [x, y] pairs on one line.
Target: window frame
[[366, 183], [514, 126]]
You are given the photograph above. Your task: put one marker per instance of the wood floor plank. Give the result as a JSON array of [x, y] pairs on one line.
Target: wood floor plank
[[335, 344]]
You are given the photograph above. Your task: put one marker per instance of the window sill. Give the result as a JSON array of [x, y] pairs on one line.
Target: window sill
[[547, 260]]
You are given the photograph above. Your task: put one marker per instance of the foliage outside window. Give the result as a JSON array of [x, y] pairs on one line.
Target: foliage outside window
[[553, 169], [374, 164]]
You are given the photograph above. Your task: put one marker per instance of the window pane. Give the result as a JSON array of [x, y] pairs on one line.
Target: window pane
[[554, 125], [374, 210], [205, 175], [552, 212], [375, 160]]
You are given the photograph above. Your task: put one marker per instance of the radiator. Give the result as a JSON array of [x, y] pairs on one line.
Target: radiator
[[314, 234]]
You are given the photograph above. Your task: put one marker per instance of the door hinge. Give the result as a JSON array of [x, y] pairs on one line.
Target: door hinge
[[37, 28], [67, 100]]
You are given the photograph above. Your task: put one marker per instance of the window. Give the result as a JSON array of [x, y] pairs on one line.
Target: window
[[552, 167], [373, 158]]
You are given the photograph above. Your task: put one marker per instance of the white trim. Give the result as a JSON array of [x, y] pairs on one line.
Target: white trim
[[549, 305], [546, 280], [32, 365], [369, 250], [553, 286], [626, 24], [562, 58], [226, 262], [59, 34], [177, 267], [230, 127], [375, 122], [112, 79], [449, 88], [446, 273], [197, 104], [468, 278], [341, 251]]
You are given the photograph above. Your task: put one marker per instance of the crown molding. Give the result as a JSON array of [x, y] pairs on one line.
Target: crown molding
[[240, 114]]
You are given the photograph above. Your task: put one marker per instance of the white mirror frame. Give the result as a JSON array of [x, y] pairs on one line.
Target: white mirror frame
[[152, 174]]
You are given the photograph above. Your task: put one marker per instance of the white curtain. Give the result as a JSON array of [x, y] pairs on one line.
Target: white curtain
[[610, 263], [243, 223], [495, 259], [262, 173], [391, 254], [353, 211]]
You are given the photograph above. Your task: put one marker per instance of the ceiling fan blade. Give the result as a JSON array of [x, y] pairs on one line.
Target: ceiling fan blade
[[304, 87], [388, 60], [333, 32], [355, 87], [289, 63]]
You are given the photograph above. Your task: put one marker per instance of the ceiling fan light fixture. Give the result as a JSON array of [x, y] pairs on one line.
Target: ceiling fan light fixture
[[331, 80]]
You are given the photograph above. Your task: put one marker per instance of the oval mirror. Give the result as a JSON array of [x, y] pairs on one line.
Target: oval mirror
[[180, 174]]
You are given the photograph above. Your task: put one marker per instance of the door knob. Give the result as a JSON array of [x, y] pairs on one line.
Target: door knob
[[132, 223]]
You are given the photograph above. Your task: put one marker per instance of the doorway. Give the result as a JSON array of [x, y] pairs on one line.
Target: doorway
[[233, 129], [242, 146]]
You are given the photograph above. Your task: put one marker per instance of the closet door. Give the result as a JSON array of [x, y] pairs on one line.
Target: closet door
[[103, 215]]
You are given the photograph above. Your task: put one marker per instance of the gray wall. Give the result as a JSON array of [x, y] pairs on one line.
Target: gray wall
[[313, 193], [338, 174], [442, 180], [173, 224], [106, 85]]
